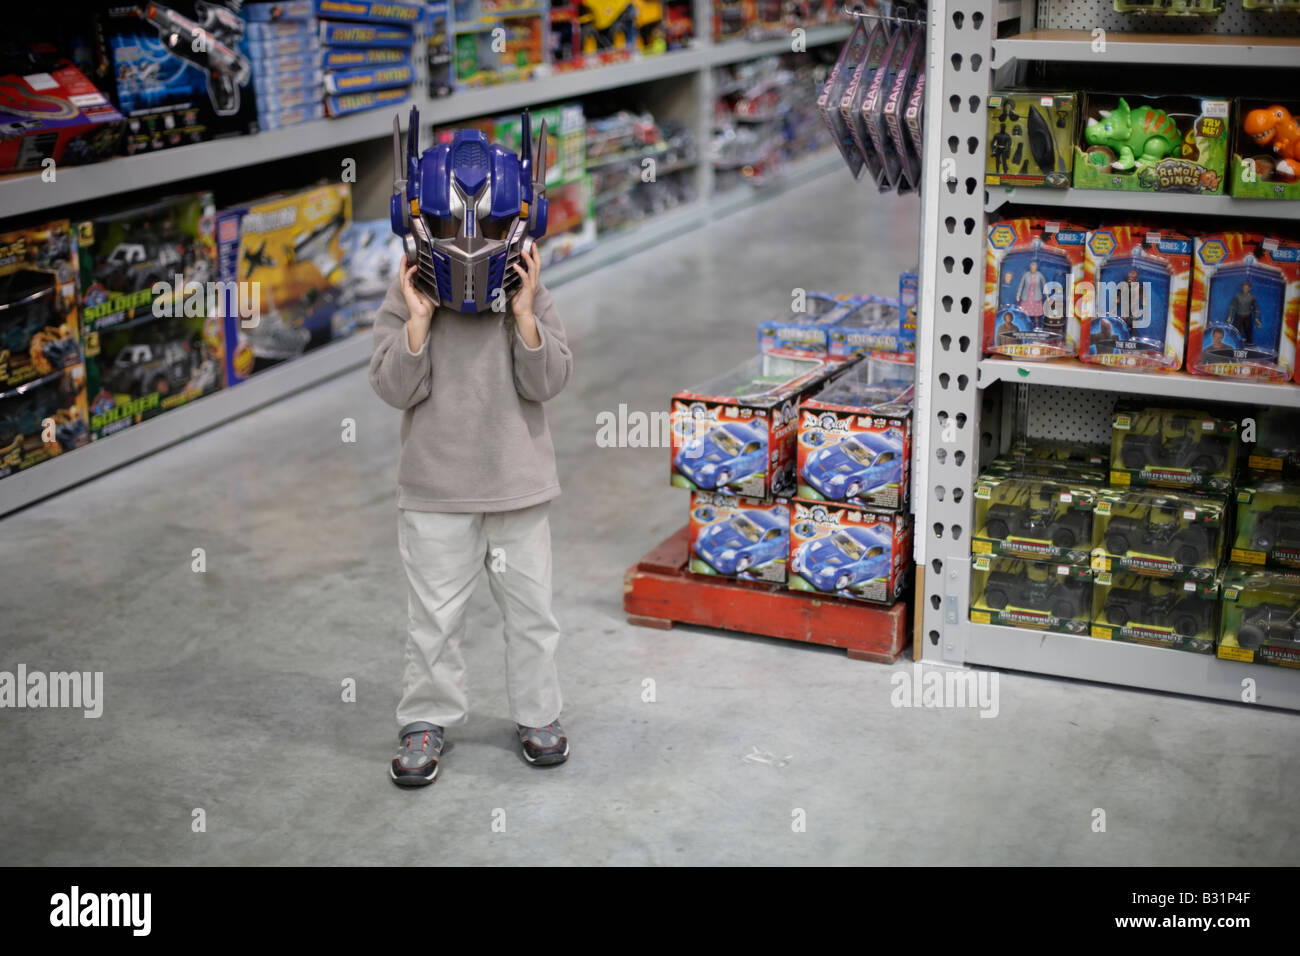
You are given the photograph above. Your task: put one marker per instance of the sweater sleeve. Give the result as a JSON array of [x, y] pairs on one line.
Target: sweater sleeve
[[542, 373], [400, 377]]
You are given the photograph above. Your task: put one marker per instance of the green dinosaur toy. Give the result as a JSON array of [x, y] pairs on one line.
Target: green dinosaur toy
[[1138, 136]]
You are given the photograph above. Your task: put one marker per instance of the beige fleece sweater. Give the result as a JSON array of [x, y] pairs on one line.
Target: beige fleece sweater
[[474, 433]]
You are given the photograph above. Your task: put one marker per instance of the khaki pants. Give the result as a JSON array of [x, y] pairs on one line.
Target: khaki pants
[[444, 555]]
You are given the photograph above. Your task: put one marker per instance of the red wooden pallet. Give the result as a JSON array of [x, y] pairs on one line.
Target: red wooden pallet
[[658, 591]]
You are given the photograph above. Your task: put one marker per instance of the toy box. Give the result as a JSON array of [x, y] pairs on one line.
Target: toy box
[[1266, 150], [737, 433], [281, 30], [292, 117], [1137, 609], [334, 33], [1172, 448], [1167, 143], [1268, 524], [731, 18], [566, 139], [871, 327], [863, 58], [369, 11], [1260, 617], [1245, 306], [1136, 316], [739, 537], [371, 254], [907, 294], [1051, 449], [855, 443], [1159, 534], [885, 367], [833, 93], [803, 330], [359, 79], [849, 552], [1173, 8], [480, 59], [43, 419], [1042, 595], [1060, 472], [1272, 445], [349, 57], [1033, 518], [1031, 138], [283, 256], [54, 112], [359, 102], [268, 12], [1032, 270], [39, 329]]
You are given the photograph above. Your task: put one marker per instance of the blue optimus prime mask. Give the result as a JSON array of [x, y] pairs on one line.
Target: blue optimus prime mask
[[466, 211]]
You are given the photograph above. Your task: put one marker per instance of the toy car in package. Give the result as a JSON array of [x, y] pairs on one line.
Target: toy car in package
[[1245, 306], [833, 92], [39, 328], [1268, 524], [1043, 595], [1139, 277], [849, 552], [1159, 613], [803, 329], [1031, 287], [739, 537], [1031, 138], [872, 326], [1172, 448], [850, 104], [1158, 533], [1032, 518], [1260, 617]]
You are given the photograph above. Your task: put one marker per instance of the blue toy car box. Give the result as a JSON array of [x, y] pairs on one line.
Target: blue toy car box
[[849, 552], [907, 293], [739, 537], [872, 326], [803, 329]]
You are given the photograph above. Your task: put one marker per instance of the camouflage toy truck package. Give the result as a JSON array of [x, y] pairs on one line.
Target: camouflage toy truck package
[[1137, 609], [1032, 275], [1172, 448], [1043, 595], [741, 538], [1160, 534], [849, 552], [1260, 617], [39, 328], [1268, 524], [1034, 519]]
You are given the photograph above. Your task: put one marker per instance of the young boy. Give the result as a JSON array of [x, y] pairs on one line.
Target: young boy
[[475, 476]]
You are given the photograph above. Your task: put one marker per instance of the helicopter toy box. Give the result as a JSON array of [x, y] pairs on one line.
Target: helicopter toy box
[[849, 552], [736, 433], [43, 419], [281, 264], [1139, 277], [804, 329], [855, 443], [1159, 533], [1268, 524], [39, 331], [1043, 595], [1260, 617], [1031, 138], [1171, 143], [1183, 448], [739, 537], [1266, 153], [1138, 609], [1034, 519], [1032, 267], [1245, 306]]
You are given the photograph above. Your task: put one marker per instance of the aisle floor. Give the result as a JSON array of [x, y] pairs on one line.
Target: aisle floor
[[223, 689]]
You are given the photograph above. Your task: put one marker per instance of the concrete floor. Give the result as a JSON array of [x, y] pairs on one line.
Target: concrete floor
[[222, 689]]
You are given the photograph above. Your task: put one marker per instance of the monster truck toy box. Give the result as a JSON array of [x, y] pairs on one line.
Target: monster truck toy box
[[39, 329], [55, 115], [804, 329], [736, 433], [1139, 143], [849, 552], [1159, 533], [1268, 525], [741, 538], [1260, 617], [1031, 138], [1266, 150], [1137, 609], [1033, 519], [1033, 271], [1043, 595], [43, 419], [1172, 448], [855, 443], [281, 266]]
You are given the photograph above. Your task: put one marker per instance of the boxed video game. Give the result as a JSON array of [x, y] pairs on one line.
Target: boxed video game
[[855, 443], [54, 113], [1136, 317], [907, 296], [1245, 306], [739, 537], [1266, 150], [1172, 448], [1037, 519], [39, 328], [1031, 288], [1031, 138], [1268, 524], [1043, 595], [1159, 534], [1137, 609], [911, 65], [874, 101], [861, 78], [1260, 617], [803, 329], [43, 419], [737, 433], [837, 82], [849, 552], [1169, 143]]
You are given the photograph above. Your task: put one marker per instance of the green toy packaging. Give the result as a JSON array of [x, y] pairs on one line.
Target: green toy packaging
[[1028, 518], [1042, 595], [1260, 619], [1193, 449], [1138, 609], [1268, 524], [1159, 533]]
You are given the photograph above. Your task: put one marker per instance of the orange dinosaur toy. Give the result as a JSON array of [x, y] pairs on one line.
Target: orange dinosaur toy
[[1275, 127]]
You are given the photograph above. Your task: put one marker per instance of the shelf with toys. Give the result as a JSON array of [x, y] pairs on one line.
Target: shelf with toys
[[1152, 49], [1162, 203]]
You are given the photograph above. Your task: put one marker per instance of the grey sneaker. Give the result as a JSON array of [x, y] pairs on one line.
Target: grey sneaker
[[416, 762], [544, 746]]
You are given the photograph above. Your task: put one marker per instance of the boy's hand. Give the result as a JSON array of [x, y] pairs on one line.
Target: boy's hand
[[522, 303], [418, 305]]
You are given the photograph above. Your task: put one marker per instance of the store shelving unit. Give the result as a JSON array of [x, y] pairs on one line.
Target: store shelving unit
[[966, 402]]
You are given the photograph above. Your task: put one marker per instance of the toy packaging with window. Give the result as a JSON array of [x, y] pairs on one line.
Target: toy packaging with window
[[855, 443], [1272, 448], [1172, 448], [1138, 609], [1043, 595], [1139, 277], [1032, 268], [39, 329], [1159, 533], [1260, 617], [737, 433], [43, 419], [1266, 150], [739, 537], [872, 326], [805, 328], [1268, 524], [849, 552], [907, 292], [1031, 138], [1170, 143], [53, 112], [884, 367], [1245, 306], [1032, 518]]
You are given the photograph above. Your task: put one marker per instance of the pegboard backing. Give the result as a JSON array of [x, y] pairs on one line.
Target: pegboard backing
[[1089, 14], [1070, 414]]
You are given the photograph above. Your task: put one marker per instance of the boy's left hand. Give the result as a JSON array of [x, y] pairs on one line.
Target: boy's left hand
[[522, 303]]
